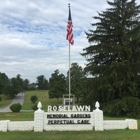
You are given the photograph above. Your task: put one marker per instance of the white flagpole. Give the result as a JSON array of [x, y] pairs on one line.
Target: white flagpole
[[69, 76], [69, 68], [69, 59]]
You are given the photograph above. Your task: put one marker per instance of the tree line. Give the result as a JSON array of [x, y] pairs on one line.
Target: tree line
[[12, 86], [57, 83]]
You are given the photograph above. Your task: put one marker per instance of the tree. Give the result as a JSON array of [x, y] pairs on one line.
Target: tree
[[20, 81], [26, 84], [77, 77], [46, 84], [57, 85], [42, 83], [113, 58], [32, 86], [13, 88], [3, 82]]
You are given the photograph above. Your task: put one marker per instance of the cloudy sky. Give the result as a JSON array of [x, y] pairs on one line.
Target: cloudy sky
[[33, 35]]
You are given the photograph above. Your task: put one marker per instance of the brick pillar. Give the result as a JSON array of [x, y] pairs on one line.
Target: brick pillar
[[98, 118], [4, 125], [132, 124], [38, 119]]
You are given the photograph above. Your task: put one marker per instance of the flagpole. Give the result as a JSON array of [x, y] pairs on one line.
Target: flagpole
[[69, 37], [69, 69], [69, 76]]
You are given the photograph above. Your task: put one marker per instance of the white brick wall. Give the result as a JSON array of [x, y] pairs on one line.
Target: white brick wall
[[131, 123], [115, 124], [20, 125], [41, 120]]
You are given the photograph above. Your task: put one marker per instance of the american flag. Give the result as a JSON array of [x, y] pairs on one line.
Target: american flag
[[69, 36]]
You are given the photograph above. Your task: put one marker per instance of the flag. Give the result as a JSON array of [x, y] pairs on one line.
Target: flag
[[69, 36]]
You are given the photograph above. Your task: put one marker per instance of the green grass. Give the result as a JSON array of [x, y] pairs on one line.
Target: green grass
[[43, 97], [73, 135], [21, 116], [27, 114], [5, 101]]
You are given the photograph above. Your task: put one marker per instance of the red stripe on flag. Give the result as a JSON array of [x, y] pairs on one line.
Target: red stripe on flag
[[69, 36]]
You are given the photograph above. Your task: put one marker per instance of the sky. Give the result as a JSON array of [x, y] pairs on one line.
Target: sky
[[33, 35]]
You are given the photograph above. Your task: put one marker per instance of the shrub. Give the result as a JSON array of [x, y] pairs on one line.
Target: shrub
[[113, 109], [34, 99], [34, 107], [127, 106], [131, 106], [16, 107], [0, 98]]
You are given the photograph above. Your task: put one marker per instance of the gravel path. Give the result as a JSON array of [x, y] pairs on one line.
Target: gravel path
[[18, 99]]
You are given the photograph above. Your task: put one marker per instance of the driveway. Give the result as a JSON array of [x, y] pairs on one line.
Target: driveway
[[18, 99]]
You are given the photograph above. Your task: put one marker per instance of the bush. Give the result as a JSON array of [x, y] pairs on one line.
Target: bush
[[34, 107], [34, 99], [127, 106], [16, 107], [131, 106], [113, 109], [0, 98]]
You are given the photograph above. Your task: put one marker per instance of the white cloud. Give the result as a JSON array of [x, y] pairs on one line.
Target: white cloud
[[33, 35]]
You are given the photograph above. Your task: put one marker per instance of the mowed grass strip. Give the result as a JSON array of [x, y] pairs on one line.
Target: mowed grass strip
[[42, 96], [21, 116], [73, 135]]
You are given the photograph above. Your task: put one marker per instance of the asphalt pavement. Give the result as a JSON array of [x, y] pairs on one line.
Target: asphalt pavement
[[18, 99]]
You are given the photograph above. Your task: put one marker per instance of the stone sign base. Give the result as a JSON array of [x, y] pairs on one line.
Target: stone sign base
[[67, 121]]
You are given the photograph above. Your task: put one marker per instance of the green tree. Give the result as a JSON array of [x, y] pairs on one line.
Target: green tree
[[42, 83], [77, 77], [20, 81], [57, 85], [32, 86], [113, 58], [13, 88], [3, 82], [26, 84], [46, 84]]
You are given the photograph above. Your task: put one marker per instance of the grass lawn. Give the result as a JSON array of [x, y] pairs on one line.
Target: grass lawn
[[73, 135], [5, 101], [43, 97], [21, 116], [62, 135]]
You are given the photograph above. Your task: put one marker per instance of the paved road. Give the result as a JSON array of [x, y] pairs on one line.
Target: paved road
[[18, 99]]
